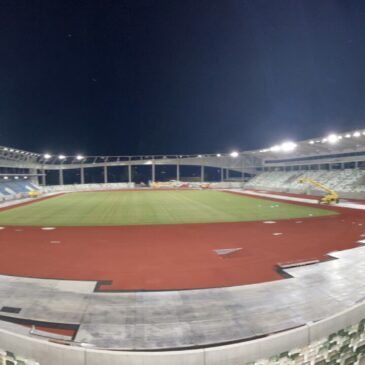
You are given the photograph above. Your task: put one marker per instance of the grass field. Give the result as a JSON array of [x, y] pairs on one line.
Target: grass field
[[151, 207]]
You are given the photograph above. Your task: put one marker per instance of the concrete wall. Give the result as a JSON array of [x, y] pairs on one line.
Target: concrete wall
[[55, 354], [85, 187], [116, 186], [344, 195]]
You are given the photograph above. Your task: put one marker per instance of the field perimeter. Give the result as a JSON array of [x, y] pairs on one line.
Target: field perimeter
[[151, 207]]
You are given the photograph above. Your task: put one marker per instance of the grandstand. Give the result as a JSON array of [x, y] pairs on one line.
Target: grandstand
[[90, 303], [347, 181]]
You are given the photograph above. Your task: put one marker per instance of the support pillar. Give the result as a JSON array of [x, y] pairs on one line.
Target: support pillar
[[105, 174], [130, 173], [43, 177], [60, 176], [153, 171], [178, 170], [202, 173], [82, 176], [222, 174], [227, 174]]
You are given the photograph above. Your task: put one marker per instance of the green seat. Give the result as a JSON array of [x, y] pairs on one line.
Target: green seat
[[284, 354], [10, 354], [350, 360], [322, 362]]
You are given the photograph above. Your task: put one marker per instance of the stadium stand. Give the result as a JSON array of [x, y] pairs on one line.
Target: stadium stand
[[9, 358], [346, 347], [348, 180], [16, 189]]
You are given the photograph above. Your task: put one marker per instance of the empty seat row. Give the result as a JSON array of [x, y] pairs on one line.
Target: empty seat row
[[348, 180]]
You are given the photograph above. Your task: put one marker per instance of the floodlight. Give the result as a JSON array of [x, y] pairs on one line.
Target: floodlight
[[61, 157], [356, 134], [6, 178], [148, 162], [199, 156], [6, 149], [332, 138], [79, 157], [348, 135], [47, 156], [311, 142], [16, 177], [275, 148], [25, 177], [288, 146], [234, 154], [219, 155]]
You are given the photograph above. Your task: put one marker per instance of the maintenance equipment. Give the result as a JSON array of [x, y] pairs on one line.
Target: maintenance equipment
[[331, 196]]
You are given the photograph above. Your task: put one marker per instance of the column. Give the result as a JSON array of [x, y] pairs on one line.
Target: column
[[129, 172], [153, 171], [43, 177], [82, 176], [178, 170], [60, 176], [222, 174], [105, 174], [227, 174], [202, 173]]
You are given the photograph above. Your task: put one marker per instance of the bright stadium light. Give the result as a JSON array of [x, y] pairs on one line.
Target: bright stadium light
[[275, 148], [332, 138], [311, 142], [288, 146], [234, 154], [6, 178], [16, 177], [79, 157], [356, 134], [199, 156], [348, 135], [47, 156], [25, 177], [61, 157], [219, 155]]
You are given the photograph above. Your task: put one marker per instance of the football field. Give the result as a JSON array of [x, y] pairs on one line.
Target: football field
[[117, 208]]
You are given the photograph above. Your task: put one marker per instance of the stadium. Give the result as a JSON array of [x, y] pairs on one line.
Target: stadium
[[256, 258]]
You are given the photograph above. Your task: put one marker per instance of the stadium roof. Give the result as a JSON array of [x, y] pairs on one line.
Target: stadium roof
[[349, 142], [352, 141]]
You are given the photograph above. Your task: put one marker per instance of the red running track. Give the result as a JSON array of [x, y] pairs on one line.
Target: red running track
[[175, 256]]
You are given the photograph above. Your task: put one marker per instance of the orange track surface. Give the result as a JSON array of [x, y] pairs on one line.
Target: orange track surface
[[175, 256]]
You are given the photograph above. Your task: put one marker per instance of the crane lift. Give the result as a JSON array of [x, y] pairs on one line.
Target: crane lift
[[331, 196]]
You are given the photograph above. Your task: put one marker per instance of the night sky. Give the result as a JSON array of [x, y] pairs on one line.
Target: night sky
[[178, 76]]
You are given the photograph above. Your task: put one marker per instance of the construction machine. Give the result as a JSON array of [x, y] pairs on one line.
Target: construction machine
[[330, 198]]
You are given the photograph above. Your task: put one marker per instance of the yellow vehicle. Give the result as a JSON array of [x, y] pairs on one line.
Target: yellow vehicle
[[34, 194], [331, 196]]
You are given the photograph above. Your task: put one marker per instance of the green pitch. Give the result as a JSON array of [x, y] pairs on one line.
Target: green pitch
[[151, 207]]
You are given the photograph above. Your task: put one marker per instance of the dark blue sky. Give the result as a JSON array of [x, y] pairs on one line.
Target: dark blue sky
[[144, 76]]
